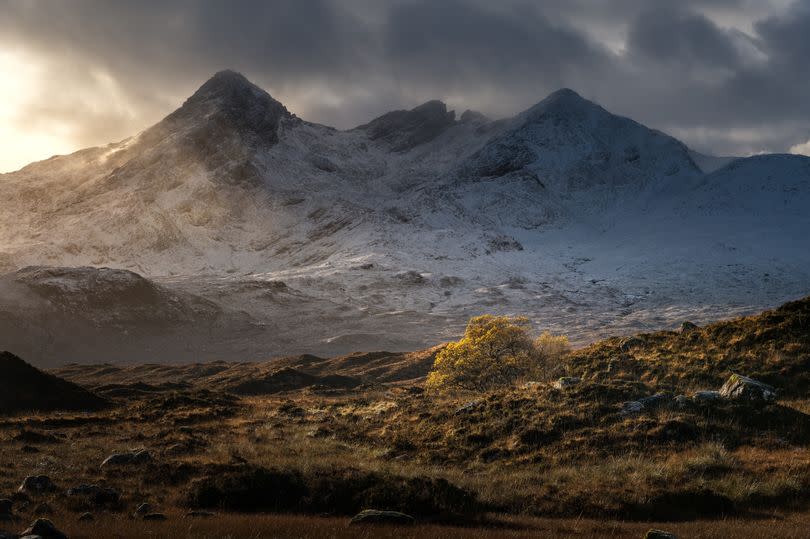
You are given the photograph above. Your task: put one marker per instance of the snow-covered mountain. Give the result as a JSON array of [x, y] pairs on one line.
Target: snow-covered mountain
[[392, 233]]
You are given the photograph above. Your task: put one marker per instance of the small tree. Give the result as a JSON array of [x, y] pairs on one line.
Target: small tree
[[495, 351]]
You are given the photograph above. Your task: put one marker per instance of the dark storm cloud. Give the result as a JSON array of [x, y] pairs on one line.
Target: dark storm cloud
[[726, 75]]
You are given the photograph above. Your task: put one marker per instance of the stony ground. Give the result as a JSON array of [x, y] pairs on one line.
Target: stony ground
[[547, 458]]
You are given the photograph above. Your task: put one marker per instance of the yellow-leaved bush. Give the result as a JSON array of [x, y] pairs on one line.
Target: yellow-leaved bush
[[495, 351]]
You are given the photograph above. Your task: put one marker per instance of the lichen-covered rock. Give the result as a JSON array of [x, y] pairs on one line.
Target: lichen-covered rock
[[739, 387], [373, 516]]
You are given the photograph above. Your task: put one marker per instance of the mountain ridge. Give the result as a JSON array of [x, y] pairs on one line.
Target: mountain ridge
[[564, 208]]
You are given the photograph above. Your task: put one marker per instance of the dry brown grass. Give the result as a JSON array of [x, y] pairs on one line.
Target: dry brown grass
[[305, 527], [527, 451]]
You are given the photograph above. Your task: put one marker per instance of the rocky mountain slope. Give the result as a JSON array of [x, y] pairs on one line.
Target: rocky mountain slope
[[391, 234]]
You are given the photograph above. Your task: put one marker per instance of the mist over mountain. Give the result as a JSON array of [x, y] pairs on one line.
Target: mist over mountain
[[297, 237]]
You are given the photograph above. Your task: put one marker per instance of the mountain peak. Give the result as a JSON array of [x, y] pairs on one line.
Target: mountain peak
[[564, 102], [229, 102], [229, 86], [406, 129]]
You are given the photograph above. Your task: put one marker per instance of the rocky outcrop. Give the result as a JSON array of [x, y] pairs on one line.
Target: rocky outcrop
[[742, 388]]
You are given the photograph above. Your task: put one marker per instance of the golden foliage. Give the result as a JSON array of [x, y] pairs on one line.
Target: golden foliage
[[495, 351]]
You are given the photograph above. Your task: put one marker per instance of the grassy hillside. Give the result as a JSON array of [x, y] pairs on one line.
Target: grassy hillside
[[536, 449]]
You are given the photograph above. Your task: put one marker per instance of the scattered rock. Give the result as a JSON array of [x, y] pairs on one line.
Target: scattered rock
[[631, 408], [37, 484], [655, 401], [95, 494], [134, 457], [566, 382], [704, 397], [155, 517], [739, 387], [659, 534], [86, 517], [45, 529], [373, 516]]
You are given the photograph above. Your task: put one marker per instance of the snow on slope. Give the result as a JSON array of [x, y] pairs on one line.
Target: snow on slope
[[392, 233]]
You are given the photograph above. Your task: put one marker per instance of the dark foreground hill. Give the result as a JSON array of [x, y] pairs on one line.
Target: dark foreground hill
[[25, 388]]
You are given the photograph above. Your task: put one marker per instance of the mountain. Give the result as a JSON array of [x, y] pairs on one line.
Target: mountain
[[391, 234]]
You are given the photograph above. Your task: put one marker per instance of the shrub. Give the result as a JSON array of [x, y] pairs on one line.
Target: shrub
[[494, 352], [328, 490]]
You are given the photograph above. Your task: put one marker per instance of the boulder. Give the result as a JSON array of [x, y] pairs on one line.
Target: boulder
[[656, 401], [155, 517], [86, 517], [373, 516], [566, 382], [742, 388], [134, 457], [659, 534], [631, 408], [44, 528], [36, 484], [704, 397]]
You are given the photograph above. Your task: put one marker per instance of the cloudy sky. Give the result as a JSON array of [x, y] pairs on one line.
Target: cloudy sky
[[725, 76]]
